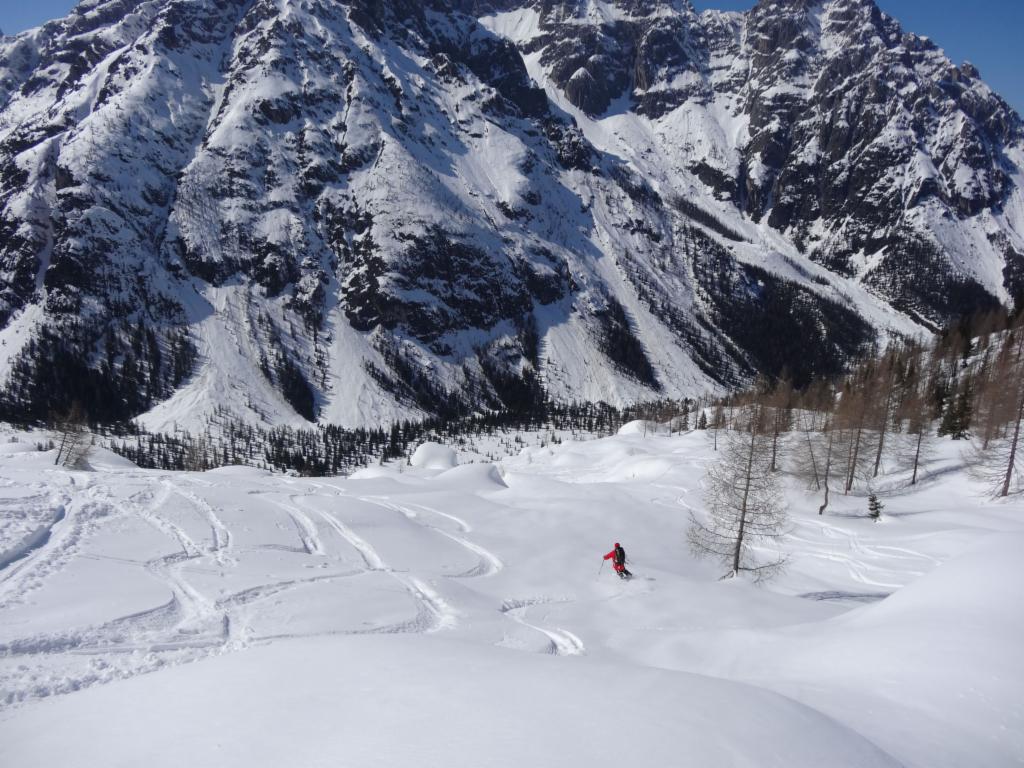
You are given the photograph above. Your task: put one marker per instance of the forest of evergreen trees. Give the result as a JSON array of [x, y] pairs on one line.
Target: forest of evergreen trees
[[108, 372], [331, 450]]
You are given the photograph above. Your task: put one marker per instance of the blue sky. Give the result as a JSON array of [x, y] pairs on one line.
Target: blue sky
[[989, 33]]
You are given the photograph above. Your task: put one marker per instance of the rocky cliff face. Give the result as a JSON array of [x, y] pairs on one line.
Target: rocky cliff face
[[361, 211], [862, 144]]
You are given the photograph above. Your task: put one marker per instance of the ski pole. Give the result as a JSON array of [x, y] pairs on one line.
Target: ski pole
[[601, 569]]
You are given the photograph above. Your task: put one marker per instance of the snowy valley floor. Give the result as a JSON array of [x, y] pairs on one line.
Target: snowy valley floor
[[457, 617]]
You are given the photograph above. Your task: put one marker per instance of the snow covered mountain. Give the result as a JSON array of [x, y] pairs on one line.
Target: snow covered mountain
[[356, 211]]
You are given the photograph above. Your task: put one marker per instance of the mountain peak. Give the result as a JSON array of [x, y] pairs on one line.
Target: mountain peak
[[807, 5], [388, 211]]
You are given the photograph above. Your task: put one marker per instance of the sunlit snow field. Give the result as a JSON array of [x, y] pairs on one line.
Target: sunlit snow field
[[443, 615]]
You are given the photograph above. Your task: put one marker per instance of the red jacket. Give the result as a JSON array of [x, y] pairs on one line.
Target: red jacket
[[617, 565]]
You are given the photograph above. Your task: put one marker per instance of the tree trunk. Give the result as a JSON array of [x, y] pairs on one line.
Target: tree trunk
[[814, 461], [60, 448], [917, 455], [885, 423], [746, 496], [1013, 450], [828, 471], [852, 466], [775, 444]]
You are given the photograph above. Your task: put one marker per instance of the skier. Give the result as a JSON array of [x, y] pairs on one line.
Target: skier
[[618, 558]]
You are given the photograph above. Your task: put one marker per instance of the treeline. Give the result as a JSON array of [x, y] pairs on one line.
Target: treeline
[[842, 435], [332, 450], [885, 414]]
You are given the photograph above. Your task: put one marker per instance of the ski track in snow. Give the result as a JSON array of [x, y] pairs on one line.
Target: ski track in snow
[[434, 612], [464, 527], [184, 629], [221, 534], [561, 642], [369, 555], [193, 625], [304, 525], [36, 539], [881, 567], [488, 563], [62, 542]]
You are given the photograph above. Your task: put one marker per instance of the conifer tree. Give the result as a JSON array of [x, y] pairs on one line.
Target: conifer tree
[[956, 421], [875, 507]]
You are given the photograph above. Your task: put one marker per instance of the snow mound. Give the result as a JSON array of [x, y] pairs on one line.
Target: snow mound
[[434, 456], [102, 459], [240, 471], [641, 427], [229, 613], [473, 477], [371, 473], [925, 650], [978, 585], [567, 459]]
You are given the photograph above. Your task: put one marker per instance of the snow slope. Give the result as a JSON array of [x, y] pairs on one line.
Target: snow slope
[[437, 616]]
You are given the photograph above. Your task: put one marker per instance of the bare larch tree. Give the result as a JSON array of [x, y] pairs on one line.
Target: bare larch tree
[[743, 499]]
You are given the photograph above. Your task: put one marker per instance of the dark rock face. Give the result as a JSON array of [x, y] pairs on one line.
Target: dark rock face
[[468, 288], [851, 137], [880, 96], [635, 48], [350, 211]]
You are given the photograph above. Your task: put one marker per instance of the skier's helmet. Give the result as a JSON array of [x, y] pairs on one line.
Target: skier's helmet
[[617, 544]]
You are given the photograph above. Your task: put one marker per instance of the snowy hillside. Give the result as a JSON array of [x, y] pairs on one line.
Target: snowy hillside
[[357, 212], [459, 615]]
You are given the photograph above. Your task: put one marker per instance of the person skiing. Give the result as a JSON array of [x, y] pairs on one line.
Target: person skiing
[[618, 558]]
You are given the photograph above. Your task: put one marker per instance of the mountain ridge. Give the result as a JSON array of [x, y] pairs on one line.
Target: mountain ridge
[[362, 212]]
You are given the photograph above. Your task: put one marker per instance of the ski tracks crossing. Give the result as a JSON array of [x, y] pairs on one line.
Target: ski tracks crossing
[[79, 507], [561, 642], [434, 612], [873, 565], [195, 623]]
